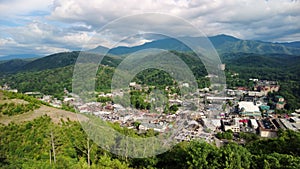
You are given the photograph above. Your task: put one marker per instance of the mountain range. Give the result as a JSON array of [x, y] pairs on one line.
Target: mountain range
[[251, 59], [222, 43], [228, 47]]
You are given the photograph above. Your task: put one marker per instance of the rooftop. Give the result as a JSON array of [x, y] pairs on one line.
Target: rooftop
[[248, 106]]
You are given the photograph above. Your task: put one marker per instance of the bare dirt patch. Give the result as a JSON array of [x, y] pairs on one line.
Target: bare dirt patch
[[55, 114]]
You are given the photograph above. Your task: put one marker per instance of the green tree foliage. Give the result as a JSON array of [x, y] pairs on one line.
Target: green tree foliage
[[248, 136], [137, 100], [235, 156], [173, 108], [42, 144], [14, 109], [104, 99], [225, 135]]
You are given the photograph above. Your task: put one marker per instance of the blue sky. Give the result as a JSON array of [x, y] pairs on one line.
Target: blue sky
[[49, 26]]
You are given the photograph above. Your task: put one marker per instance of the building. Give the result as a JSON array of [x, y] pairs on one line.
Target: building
[[267, 128], [280, 102], [211, 124], [266, 86], [265, 110], [222, 66], [231, 124], [256, 93], [279, 98], [253, 123], [249, 108], [294, 123]]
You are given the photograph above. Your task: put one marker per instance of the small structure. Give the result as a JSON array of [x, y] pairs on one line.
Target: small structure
[[222, 66], [255, 93], [279, 98], [280, 102], [265, 110]]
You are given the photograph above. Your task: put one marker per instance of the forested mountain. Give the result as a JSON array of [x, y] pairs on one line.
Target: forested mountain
[[53, 61], [51, 74], [292, 44], [12, 65], [29, 144], [251, 59], [222, 43]]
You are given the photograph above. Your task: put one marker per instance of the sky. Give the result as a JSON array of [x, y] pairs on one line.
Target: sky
[[44, 27]]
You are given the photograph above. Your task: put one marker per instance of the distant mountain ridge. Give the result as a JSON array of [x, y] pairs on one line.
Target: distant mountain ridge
[[20, 56], [222, 43], [53, 61], [228, 48]]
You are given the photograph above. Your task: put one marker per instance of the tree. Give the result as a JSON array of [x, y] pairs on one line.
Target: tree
[[234, 156]]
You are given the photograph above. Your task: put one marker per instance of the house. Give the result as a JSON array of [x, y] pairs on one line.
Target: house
[[46, 98], [279, 98], [69, 99], [132, 84], [254, 80], [158, 127], [185, 85], [13, 90]]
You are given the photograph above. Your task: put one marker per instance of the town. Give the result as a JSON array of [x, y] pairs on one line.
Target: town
[[200, 115]]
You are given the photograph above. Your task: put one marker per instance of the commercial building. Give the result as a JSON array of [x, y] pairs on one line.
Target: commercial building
[[267, 128], [249, 108], [231, 124]]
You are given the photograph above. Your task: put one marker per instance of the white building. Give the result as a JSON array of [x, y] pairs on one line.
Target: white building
[[232, 124], [254, 123], [249, 108]]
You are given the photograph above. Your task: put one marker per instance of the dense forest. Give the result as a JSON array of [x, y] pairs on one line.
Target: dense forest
[[43, 144]]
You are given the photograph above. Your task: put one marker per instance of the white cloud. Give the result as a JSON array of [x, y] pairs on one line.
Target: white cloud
[[69, 24], [230, 16], [9, 8]]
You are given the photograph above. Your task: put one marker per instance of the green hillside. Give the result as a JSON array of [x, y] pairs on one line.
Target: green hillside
[[51, 74], [47, 138], [41, 143], [11, 66]]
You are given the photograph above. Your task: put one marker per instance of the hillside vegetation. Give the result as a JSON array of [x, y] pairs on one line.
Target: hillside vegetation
[[54, 73], [43, 144]]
